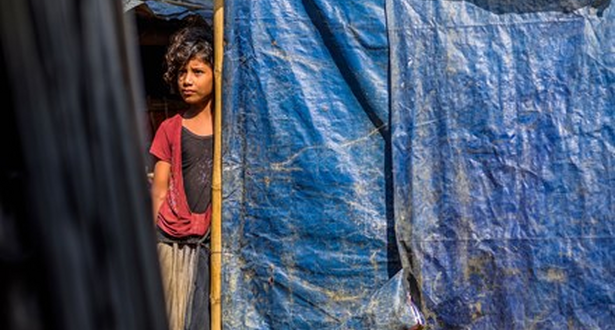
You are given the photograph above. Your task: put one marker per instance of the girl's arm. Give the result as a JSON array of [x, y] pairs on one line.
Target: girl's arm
[[160, 185]]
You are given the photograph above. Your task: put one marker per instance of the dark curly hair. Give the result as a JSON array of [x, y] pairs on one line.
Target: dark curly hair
[[193, 40]]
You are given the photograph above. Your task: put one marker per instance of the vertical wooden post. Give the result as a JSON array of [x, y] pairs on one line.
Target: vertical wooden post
[[216, 221]]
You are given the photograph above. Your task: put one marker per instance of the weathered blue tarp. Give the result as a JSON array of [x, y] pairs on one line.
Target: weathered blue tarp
[[308, 233], [504, 156], [178, 9]]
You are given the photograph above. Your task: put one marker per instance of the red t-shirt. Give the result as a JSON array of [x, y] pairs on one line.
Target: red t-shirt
[[174, 216]]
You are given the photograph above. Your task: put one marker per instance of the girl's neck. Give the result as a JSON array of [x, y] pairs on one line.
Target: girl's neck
[[201, 110], [199, 120]]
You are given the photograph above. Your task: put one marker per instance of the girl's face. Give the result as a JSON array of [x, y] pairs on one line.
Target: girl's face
[[195, 81]]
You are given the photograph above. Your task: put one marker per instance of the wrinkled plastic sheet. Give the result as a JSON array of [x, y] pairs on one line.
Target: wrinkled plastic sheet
[[308, 228], [172, 10], [503, 146]]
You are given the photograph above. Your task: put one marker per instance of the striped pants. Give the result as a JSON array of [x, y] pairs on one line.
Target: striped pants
[[185, 276]]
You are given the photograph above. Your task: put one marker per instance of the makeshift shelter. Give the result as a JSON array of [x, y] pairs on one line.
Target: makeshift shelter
[[457, 155], [458, 152]]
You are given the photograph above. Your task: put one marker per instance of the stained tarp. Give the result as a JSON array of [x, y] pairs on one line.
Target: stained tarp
[[168, 10], [308, 224], [504, 156]]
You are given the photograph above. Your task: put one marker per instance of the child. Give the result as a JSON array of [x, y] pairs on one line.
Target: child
[[181, 187]]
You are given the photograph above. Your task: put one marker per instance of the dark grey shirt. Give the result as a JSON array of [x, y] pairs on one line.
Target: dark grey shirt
[[197, 165]]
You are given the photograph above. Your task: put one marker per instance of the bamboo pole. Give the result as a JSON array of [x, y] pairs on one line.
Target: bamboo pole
[[216, 221]]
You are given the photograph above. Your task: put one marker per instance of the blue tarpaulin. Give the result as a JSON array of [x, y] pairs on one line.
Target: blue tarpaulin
[[308, 228], [457, 154], [504, 156], [174, 9]]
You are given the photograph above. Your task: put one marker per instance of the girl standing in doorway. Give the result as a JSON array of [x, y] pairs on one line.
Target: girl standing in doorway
[[181, 186]]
